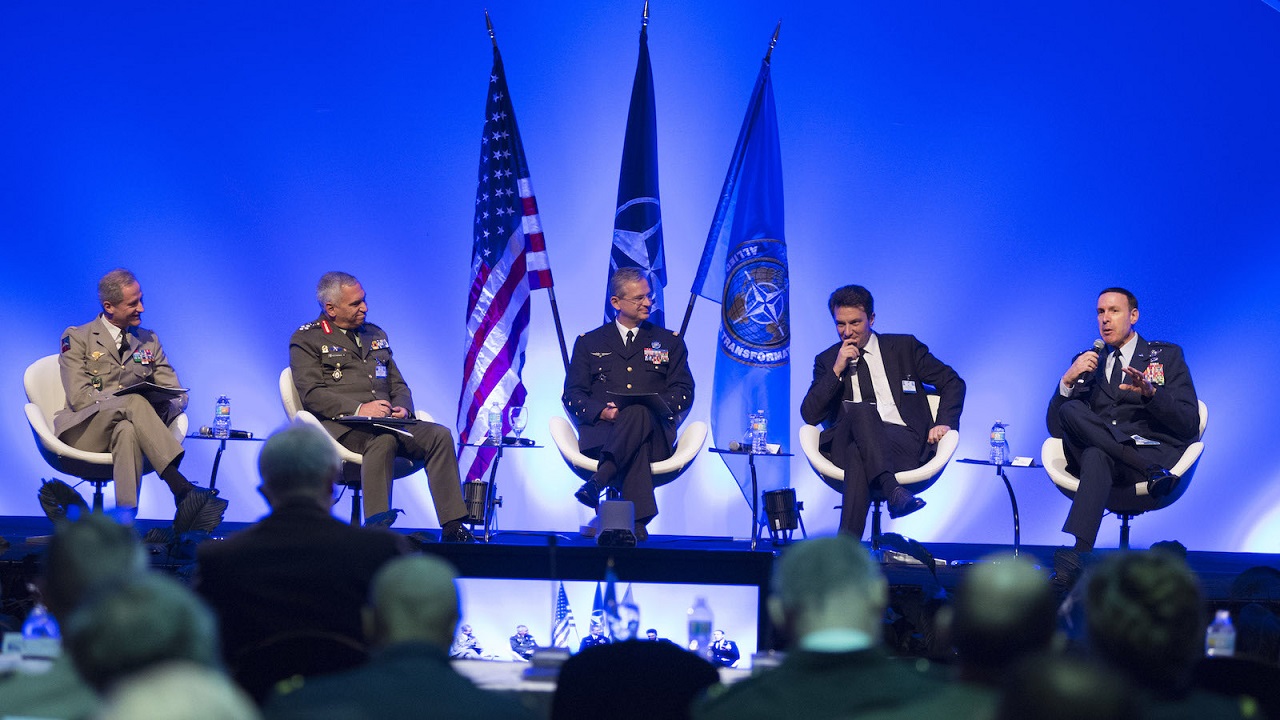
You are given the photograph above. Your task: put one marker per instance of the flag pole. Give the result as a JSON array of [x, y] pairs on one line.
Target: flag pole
[[768, 55], [551, 291], [644, 23]]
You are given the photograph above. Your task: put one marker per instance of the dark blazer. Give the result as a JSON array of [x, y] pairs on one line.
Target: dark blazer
[[402, 681], [1171, 416], [298, 568], [817, 685], [334, 377], [905, 358], [657, 362]]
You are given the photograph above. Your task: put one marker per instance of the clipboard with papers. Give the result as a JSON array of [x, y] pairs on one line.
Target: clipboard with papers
[[152, 391], [651, 400]]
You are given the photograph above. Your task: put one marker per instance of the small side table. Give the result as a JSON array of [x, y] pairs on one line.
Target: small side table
[[755, 488], [491, 499], [217, 458], [1013, 501]]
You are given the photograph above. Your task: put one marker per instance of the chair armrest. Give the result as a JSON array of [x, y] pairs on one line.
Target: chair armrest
[[946, 449], [809, 437], [687, 447], [343, 453], [53, 446], [566, 440], [1055, 464]]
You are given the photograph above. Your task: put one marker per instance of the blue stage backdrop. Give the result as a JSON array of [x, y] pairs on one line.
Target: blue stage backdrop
[[984, 168]]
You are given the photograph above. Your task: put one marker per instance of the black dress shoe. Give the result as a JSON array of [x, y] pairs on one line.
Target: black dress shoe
[[903, 503], [458, 533], [589, 494], [1160, 482], [1068, 565]]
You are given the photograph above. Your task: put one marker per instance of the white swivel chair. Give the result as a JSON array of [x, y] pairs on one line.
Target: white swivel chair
[[350, 461], [688, 443], [45, 397], [916, 480], [1127, 501]]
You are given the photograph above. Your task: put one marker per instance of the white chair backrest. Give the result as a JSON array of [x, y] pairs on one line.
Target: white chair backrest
[[1204, 419], [43, 383], [289, 394]]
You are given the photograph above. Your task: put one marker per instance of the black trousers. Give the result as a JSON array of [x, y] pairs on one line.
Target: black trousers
[[870, 451], [634, 441], [1101, 457]]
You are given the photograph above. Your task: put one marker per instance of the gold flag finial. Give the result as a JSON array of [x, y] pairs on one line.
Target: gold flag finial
[[773, 41], [494, 39], [644, 23]]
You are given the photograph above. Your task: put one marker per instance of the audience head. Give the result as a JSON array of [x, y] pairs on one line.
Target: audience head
[[1257, 634], [136, 624], [178, 691], [827, 583], [618, 681], [651, 633], [1062, 687], [298, 462], [1144, 615], [1003, 611], [85, 556], [413, 599]]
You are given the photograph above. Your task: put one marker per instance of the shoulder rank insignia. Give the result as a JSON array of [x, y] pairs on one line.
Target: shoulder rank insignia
[[308, 326]]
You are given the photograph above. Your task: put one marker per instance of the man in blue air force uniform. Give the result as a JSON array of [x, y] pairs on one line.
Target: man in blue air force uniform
[[343, 365], [1124, 419], [628, 356]]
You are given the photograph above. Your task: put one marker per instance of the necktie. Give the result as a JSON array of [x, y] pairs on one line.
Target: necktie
[[1117, 372], [124, 345], [864, 379], [631, 335]]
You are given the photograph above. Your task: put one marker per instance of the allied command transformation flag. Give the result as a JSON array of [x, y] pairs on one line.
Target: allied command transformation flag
[[637, 222], [744, 268], [508, 260]]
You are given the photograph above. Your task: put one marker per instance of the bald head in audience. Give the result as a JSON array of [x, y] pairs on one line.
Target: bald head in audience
[[1003, 611], [413, 599], [298, 462], [828, 583]]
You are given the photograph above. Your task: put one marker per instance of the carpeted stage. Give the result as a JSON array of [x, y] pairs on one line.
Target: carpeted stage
[[663, 559]]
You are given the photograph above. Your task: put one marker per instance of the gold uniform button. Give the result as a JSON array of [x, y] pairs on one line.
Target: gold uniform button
[[628, 386], [628, 369]]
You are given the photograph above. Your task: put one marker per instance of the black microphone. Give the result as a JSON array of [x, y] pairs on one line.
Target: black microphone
[[206, 431], [1098, 345]]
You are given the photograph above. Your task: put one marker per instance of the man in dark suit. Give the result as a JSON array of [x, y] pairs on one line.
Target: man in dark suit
[[103, 356], [868, 393], [343, 365], [1122, 420], [411, 617], [299, 568], [829, 596], [629, 356]]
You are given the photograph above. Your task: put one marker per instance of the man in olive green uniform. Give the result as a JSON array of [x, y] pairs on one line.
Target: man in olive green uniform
[[343, 366]]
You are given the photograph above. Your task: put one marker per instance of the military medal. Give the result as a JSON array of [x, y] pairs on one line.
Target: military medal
[[337, 373]]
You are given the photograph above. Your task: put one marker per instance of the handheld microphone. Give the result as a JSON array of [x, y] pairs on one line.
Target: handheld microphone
[[1098, 345], [206, 431]]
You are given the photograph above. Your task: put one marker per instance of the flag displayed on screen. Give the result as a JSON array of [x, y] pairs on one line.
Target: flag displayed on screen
[[744, 268], [508, 260], [564, 625], [637, 220]]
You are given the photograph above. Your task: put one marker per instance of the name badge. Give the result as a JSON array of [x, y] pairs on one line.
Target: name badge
[[380, 371], [909, 387]]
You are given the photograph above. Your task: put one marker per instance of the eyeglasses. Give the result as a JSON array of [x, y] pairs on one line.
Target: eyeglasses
[[639, 299]]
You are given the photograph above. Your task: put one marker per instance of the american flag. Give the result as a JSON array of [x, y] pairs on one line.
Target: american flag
[[564, 621], [508, 260]]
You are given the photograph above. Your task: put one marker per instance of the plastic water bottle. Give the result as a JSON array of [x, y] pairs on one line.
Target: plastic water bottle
[[494, 420], [999, 445], [700, 622], [222, 418], [1220, 638], [759, 425]]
